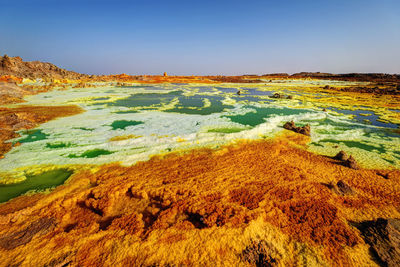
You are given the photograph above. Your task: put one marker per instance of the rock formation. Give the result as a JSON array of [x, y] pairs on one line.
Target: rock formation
[[306, 130], [281, 96], [341, 156], [383, 235], [346, 160], [35, 69], [352, 163]]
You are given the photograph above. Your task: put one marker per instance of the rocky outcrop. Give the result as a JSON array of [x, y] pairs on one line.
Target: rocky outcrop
[[341, 156], [35, 69], [306, 130], [349, 76], [379, 90], [383, 235], [281, 96], [10, 92], [259, 254], [346, 160], [16, 239], [340, 188], [351, 163]]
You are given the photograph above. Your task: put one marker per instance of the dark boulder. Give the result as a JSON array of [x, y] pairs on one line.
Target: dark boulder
[[281, 96], [347, 161], [306, 130], [277, 95], [259, 254], [16, 239], [352, 163], [383, 235], [341, 156], [340, 188], [343, 188]]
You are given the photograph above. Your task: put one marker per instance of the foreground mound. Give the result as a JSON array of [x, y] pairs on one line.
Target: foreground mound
[[262, 203]]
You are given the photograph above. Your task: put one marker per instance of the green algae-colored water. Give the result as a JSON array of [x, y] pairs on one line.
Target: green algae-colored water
[[58, 145], [132, 123], [37, 182], [33, 136], [145, 100], [258, 115], [122, 124], [197, 105], [91, 153]]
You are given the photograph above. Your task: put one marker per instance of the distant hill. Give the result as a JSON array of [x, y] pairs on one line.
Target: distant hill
[[349, 76], [15, 66], [35, 69]]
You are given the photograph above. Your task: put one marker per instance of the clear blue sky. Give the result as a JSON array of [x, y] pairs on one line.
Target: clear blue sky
[[204, 36]]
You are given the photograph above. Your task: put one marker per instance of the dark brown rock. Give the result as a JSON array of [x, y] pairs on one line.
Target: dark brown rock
[[340, 188], [343, 188], [277, 95], [306, 130], [289, 125], [383, 235], [281, 96], [341, 156], [16, 239], [260, 254], [352, 163]]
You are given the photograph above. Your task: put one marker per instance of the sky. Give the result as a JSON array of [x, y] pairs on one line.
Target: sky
[[204, 37]]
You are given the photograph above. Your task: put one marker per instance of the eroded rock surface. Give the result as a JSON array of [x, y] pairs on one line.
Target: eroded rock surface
[[352, 163], [19, 238], [383, 235], [34, 69], [260, 254], [306, 130]]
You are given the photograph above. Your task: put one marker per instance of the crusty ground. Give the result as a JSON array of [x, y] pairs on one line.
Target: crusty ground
[[204, 207]]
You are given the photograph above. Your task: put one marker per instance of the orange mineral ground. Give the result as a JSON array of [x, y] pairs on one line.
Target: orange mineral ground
[[27, 117], [264, 203]]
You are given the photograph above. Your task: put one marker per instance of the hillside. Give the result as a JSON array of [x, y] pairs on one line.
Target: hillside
[[15, 66]]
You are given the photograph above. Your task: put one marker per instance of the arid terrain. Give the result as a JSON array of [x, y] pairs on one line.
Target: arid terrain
[[252, 170]]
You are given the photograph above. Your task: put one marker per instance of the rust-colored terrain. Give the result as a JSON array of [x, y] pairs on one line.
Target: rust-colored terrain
[[28, 117], [205, 207]]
